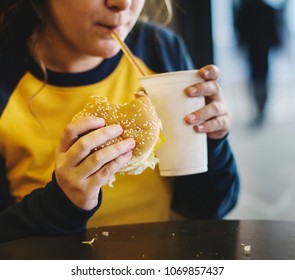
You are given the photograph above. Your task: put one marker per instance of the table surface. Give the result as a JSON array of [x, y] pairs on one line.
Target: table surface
[[216, 240]]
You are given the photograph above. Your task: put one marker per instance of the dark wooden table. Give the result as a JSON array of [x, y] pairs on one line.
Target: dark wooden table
[[216, 240]]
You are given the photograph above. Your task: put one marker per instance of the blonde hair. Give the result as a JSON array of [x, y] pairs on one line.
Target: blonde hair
[[157, 11]]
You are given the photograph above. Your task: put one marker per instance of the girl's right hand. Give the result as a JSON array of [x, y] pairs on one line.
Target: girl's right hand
[[80, 170]]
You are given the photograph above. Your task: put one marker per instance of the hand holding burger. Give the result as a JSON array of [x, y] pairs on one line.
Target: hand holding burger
[[138, 120], [104, 139]]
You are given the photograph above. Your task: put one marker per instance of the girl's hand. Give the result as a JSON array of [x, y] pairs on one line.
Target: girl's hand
[[213, 119], [80, 170]]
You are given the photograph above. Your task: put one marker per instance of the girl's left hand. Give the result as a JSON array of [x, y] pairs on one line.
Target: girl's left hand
[[215, 118]]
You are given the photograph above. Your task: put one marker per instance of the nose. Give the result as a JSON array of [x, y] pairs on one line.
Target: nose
[[118, 5]]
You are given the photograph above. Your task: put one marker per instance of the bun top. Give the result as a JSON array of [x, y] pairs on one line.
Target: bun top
[[138, 119]]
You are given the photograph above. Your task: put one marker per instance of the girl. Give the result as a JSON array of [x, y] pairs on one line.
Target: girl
[[54, 55]]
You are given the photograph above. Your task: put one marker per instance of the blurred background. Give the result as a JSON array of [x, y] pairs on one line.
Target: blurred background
[[262, 136]]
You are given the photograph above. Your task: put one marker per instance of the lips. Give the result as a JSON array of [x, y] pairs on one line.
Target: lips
[[107, 29], [111, 27]]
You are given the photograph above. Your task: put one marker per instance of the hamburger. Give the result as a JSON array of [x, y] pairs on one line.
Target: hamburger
[[138, 119]]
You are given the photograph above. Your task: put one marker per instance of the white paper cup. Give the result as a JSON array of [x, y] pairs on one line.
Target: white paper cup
[[184, 151]]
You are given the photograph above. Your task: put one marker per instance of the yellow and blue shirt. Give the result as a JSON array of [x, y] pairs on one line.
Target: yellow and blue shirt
[[33, 116]]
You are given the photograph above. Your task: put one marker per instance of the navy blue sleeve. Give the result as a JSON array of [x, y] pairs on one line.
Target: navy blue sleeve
[[5, 198], [10, 73], [213, 194], [161, 49], [46, 211]]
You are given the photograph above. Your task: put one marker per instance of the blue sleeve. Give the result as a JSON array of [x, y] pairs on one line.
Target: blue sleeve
[[45, 211], [5, 198], [160, 49], [213, 194]]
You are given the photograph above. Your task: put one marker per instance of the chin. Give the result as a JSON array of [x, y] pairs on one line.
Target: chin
[[107, 50], [110, 55]]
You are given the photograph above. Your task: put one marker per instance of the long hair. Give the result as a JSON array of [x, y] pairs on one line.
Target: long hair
[[158, 11], [18, 21], [22, 21]]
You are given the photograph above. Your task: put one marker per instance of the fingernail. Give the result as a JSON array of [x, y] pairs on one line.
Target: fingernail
[[200, 126], [191, 118], [206, 74], [128, 155], [192, 91], [117, 128], [131, 142], [101, 121]]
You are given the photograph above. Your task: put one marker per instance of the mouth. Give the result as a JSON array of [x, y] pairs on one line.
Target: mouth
[[107, 29]]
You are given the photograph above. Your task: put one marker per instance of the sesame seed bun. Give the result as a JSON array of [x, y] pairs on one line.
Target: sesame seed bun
[[138, 119]]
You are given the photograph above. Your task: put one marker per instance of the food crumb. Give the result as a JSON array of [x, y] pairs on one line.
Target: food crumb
[[247, 249], [105, 233], [90, 242]]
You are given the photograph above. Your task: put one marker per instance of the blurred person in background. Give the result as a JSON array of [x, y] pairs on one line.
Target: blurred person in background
[[258, 32]]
